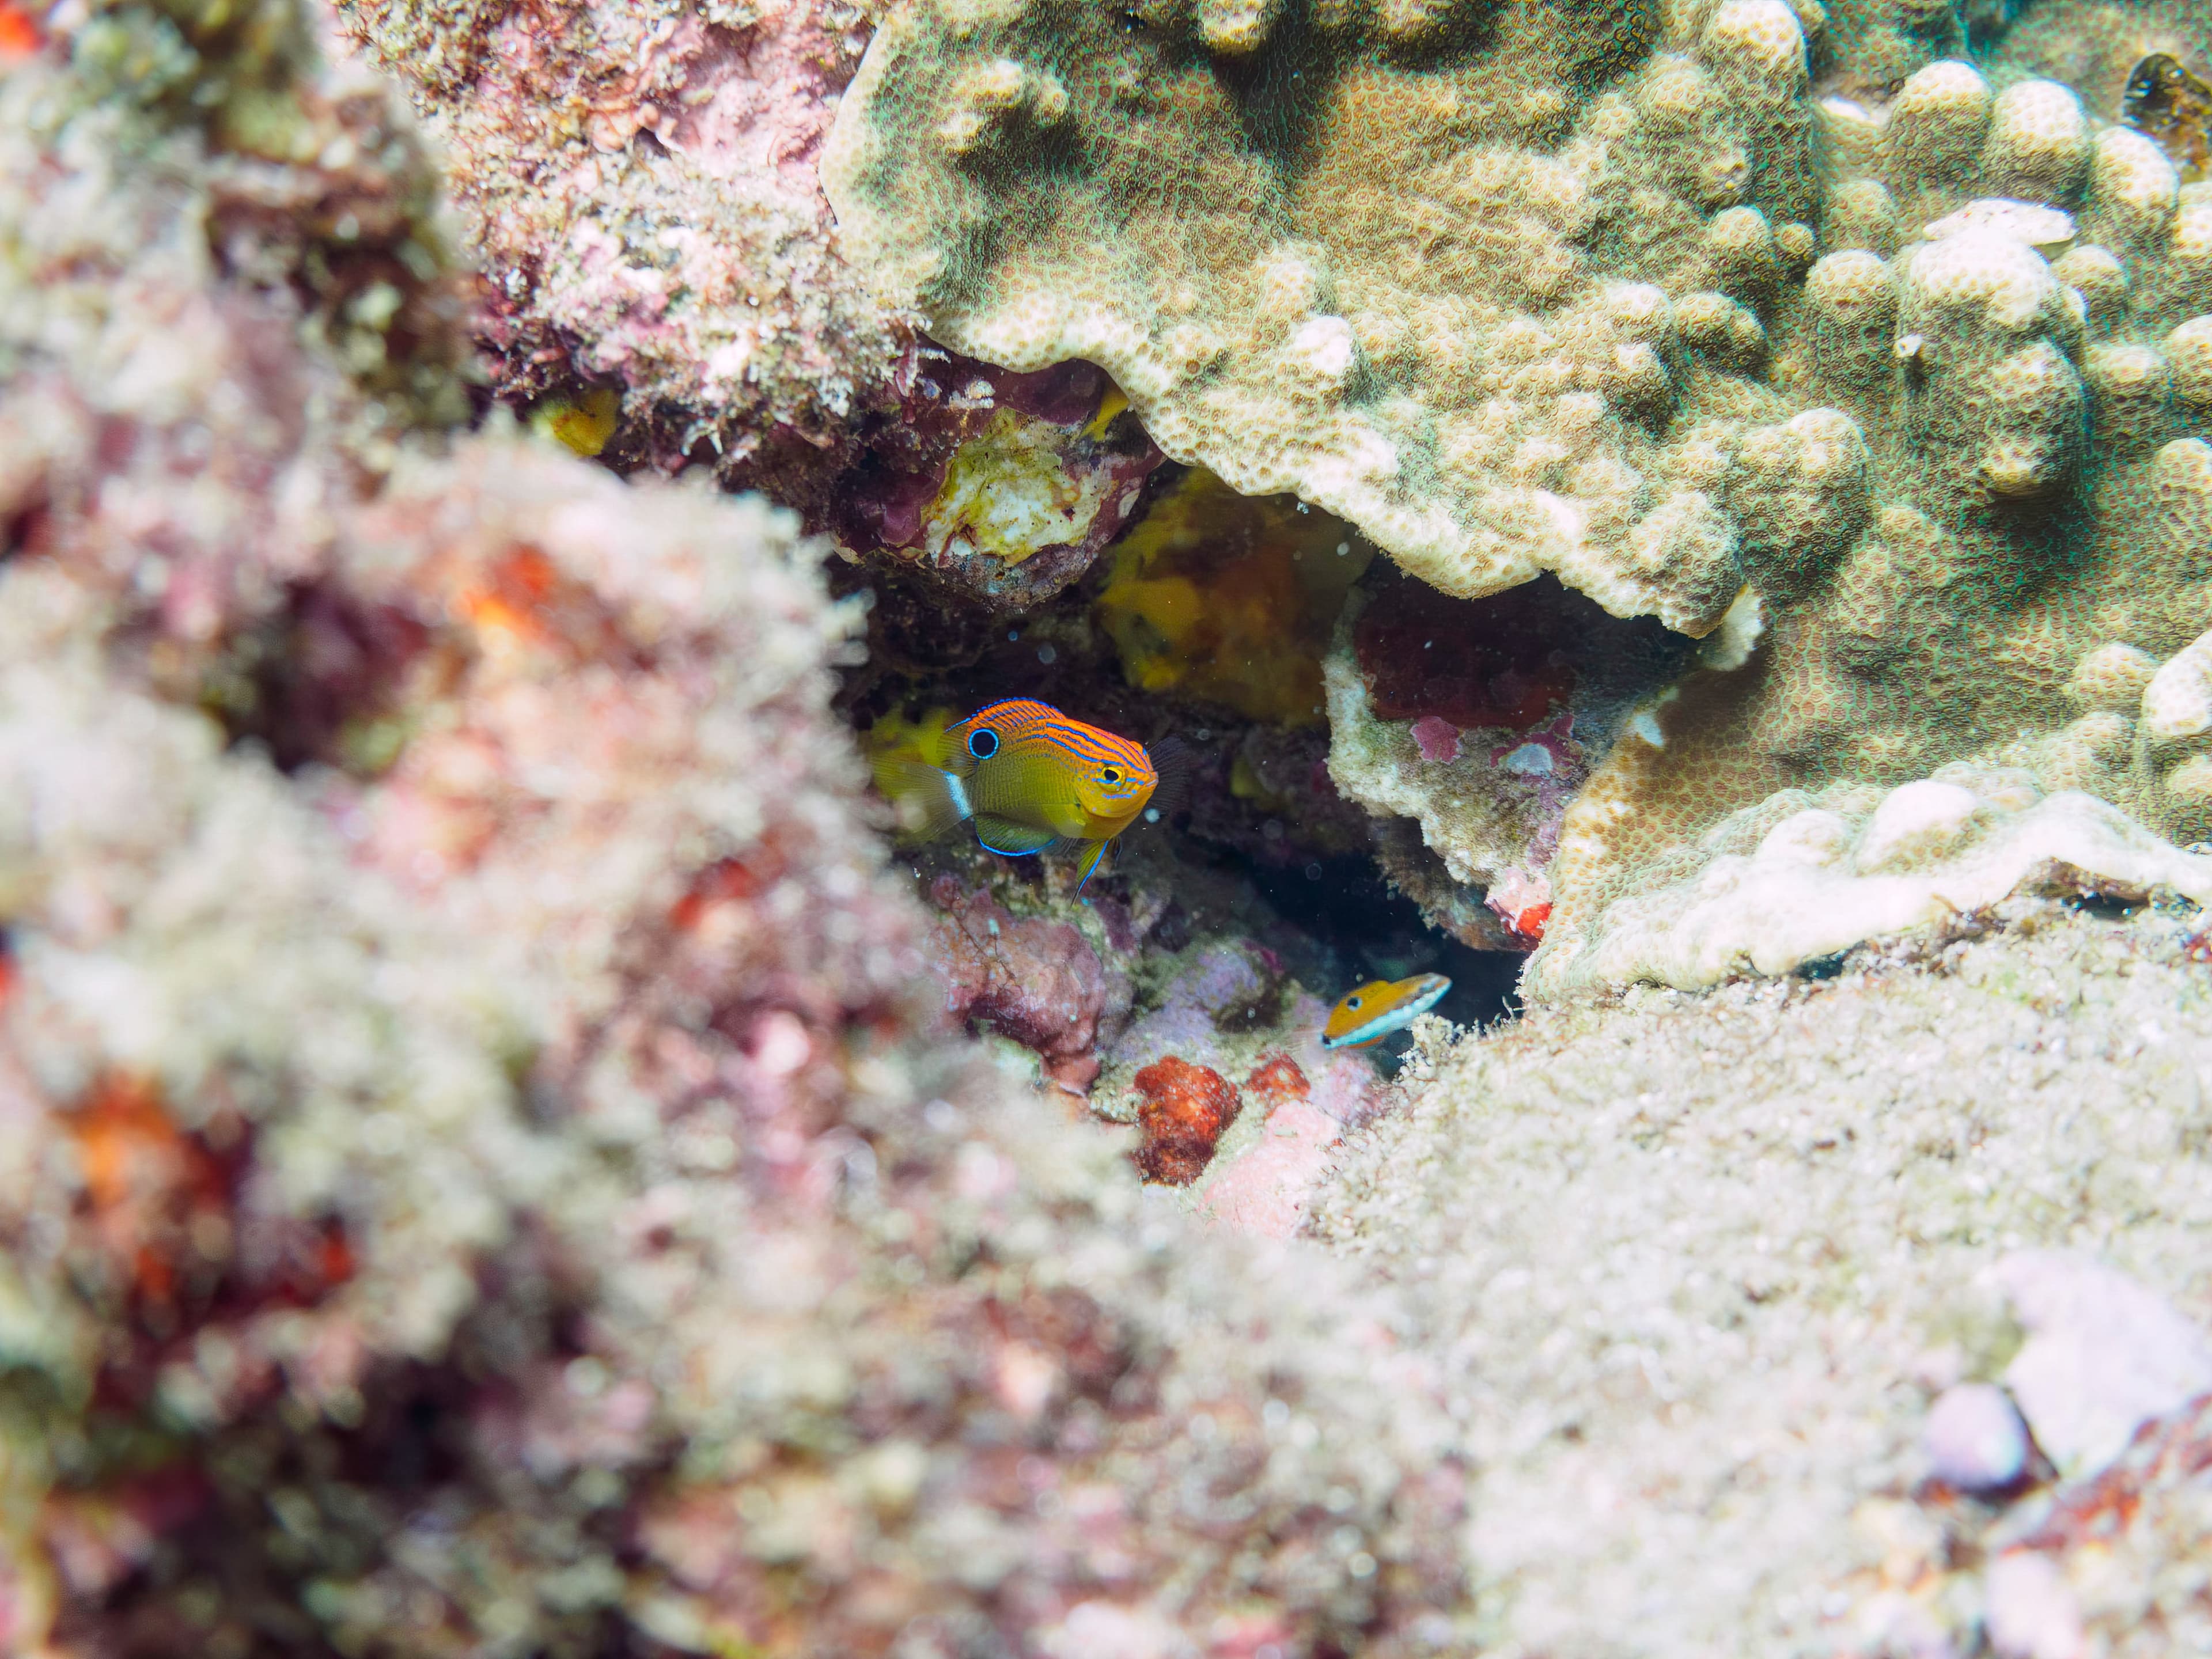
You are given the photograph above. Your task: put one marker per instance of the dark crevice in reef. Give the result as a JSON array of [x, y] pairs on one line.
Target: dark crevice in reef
[[1264, 849]]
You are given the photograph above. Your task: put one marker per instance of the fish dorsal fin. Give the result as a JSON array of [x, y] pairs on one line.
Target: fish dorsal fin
[[1004, 836]]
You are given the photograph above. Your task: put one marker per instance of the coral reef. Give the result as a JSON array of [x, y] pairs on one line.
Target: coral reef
[[1002, 488], [476, 1177], [1255, 1153], [1478, 718], [492, 1158], [1213, 600], [1985, 553], [1032, 980], [638, 187], [1800, 334], [1803, 876]]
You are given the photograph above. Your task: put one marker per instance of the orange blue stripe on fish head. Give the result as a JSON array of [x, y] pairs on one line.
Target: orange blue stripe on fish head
[[1028, 778], [1379, 1007]]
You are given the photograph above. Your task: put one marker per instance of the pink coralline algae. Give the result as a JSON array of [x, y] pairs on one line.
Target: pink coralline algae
[[1030, 979], [1264, 1190], [1437, 738], [640, 188]]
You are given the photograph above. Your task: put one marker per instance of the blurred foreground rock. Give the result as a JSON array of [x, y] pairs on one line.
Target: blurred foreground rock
[[474, 1178]]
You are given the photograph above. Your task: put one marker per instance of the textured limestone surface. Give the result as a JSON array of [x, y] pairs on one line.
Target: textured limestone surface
[[1695, 1269]]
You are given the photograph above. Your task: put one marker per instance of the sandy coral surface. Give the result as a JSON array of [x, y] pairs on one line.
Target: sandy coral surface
[[1695, 1267]]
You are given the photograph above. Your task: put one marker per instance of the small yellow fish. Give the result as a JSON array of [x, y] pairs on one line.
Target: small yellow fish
[[1026, 775], [584, 423], [1380, 1007]]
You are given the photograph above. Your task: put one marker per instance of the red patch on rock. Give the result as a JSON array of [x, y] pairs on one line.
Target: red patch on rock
[[18, 33], [725, 881], [1438, 739], [1278, 1078], [1184, 1110], [1528, 924], [1467, 663]]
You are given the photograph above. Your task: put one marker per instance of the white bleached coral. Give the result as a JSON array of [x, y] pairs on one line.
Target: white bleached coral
[[1840, 868]]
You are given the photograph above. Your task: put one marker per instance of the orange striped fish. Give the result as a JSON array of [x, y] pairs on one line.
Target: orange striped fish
[[1028, 777]]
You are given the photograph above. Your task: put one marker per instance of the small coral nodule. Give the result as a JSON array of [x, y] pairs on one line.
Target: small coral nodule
[[1184, 1110]]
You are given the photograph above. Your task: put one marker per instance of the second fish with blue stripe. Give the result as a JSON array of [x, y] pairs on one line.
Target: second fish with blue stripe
[[1028, 778]]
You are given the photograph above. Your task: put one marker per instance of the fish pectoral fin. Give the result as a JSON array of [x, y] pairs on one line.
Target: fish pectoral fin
[[1013, 840], [928, 800]]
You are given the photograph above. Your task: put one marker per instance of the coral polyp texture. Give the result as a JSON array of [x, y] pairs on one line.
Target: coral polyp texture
[[1988, 550], [1476, 283]]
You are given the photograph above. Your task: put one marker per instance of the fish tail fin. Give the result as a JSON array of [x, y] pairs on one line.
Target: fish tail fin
[[1091, 866], [929, 800], [1173, 760]]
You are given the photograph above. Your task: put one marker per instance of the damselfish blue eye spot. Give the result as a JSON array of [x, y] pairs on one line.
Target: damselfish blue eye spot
[[982, 743]]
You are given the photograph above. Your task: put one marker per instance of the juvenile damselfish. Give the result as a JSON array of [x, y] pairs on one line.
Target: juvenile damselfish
[[1028, 777], [1379, 1007]]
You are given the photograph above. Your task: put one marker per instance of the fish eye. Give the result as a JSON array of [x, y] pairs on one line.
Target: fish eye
[[1110, 775], [1352, 1002], [982, 743]]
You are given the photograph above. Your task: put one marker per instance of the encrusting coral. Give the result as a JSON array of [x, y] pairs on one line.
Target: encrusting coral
[[2006, 570], [475, 1179], [1797, 333], [1450, 278]]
